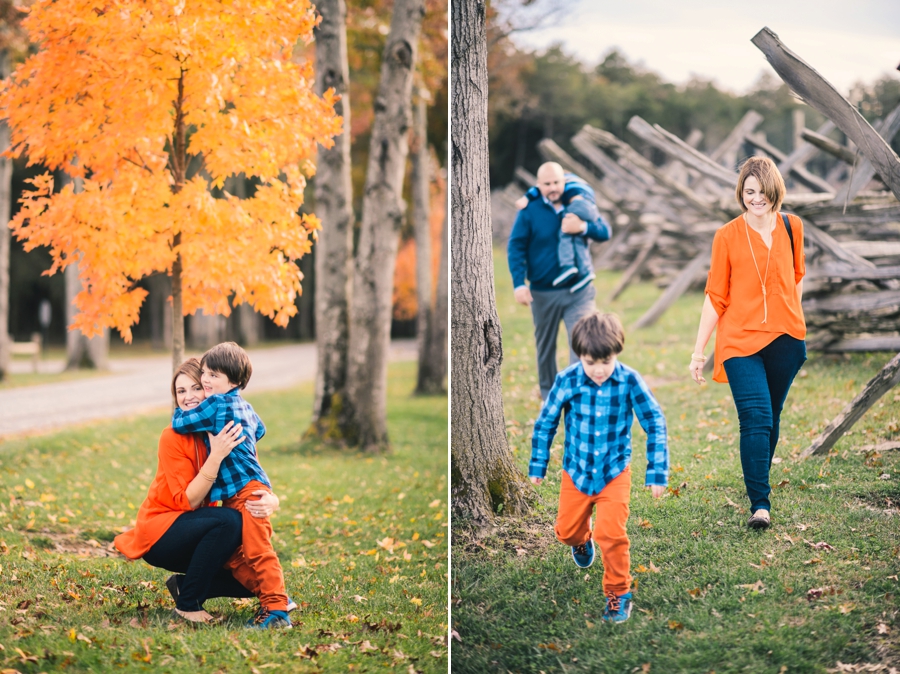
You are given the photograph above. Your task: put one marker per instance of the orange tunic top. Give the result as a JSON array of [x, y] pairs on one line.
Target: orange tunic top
[[736, 293], [180, 458]]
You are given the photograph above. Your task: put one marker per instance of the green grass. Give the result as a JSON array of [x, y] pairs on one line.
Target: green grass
[[711, 594], [362, 541]]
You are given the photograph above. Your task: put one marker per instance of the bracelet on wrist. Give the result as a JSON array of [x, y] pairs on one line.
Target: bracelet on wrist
[[698, 356], [210, 478]]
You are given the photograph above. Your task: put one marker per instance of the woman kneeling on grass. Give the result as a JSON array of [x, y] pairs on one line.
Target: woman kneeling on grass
[[176, 530], [753, 294]]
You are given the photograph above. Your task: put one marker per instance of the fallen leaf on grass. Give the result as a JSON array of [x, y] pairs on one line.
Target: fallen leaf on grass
[[757, 587], [846, 608], [521, 552], [783, 483], [821, 545], [455, 635], [819, 592], [435, 503], [645, 667], [731, 503], [358, 598], [654, 568], [589, 624], [883, 629], [416, 601], [366, 646], [802, 527], [641, 569], [436, 654], [814, 560], [645, 524], [675, 625]]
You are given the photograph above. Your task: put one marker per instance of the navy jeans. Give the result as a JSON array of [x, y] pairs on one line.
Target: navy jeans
[[198, 544], [759, 386]]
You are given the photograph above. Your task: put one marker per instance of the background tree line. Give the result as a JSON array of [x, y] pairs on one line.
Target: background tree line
[[551, 94]]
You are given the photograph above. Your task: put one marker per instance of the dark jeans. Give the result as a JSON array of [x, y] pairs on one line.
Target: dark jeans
[[548, 308], [574, 251], [759, 386], [198, 544]]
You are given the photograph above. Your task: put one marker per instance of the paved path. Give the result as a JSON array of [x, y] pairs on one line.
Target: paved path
[[137, 385]]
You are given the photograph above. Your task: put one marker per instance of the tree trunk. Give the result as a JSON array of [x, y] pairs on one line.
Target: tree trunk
[[334, 198], [5, 204], [437, 336], [484, 477], [364, 416], [429, 381], [178, 165], [81, 352]]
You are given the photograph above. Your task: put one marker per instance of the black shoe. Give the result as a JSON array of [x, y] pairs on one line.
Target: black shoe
[[566, 273], [172, 585], [759, 520], [582, 282]]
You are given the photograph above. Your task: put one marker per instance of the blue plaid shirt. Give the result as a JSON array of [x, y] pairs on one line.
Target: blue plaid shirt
[[598, 428], [242, 465]]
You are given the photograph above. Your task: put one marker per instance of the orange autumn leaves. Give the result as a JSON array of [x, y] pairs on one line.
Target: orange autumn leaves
[[98, 102]]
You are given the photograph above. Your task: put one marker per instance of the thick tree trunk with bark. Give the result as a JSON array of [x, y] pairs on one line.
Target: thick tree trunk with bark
[[334, 199], [5, 203], [431, 374], [484, 477], [364, 414]]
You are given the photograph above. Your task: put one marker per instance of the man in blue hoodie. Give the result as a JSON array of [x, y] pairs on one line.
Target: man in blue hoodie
[[532, 254]]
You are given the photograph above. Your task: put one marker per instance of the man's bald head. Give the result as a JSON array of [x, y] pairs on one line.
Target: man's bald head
[[551, 181]]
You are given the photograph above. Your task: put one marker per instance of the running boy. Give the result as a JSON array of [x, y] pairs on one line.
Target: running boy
[[224, 370], [599, 395], [572, 250]]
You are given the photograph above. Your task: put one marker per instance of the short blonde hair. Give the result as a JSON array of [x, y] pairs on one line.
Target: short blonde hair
[[769, 177]]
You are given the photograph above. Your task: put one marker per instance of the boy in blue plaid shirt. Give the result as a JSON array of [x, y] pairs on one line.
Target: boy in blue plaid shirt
[[600, 395], [224, 370]]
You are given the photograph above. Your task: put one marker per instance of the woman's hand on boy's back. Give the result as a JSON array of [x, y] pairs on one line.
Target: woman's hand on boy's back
[[657, 490], [228, 438]]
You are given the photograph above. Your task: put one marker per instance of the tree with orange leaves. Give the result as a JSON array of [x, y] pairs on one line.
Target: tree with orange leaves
[[154, 104]]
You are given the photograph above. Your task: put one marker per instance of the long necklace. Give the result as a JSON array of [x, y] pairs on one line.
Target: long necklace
[[762, 279]]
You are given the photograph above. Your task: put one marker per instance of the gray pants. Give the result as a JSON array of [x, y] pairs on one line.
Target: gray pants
[[548, 309]]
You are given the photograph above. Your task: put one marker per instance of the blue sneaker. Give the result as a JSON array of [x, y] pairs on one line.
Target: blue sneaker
[[292, 605], [618, 607], [583, 554], [267, 620]]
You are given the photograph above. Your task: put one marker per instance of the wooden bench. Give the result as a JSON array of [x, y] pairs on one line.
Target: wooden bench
[[32, 348]]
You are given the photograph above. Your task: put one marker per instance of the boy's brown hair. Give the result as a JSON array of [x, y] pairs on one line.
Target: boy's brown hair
[[770, 181], [231, 360], [599, 336], [191, 368]]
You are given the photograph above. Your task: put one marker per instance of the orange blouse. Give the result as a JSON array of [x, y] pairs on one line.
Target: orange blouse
[[180, 458], [735, 290]]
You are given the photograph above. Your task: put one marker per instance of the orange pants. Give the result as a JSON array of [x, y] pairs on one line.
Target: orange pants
[[254, 564], [573, 526]]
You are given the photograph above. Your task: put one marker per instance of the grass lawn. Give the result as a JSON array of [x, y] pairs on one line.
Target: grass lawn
[[362, 541], [711, 594]]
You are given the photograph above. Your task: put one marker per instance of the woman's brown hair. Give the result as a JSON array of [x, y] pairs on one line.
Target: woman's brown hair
[[770, 181], [190, 367]]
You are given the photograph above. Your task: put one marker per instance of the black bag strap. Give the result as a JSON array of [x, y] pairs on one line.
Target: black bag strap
[[787, 226]]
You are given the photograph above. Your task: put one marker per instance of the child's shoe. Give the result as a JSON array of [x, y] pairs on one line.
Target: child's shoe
[[618, 607], [583, 554], [566, 273], [266, 619], [292, 605], [582, 282]]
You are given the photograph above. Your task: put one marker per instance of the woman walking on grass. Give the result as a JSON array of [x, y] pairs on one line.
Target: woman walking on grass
[[753, 295]]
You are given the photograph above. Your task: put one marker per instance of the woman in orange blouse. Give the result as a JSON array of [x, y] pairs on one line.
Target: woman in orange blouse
[[175, 531], [753, 297]]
